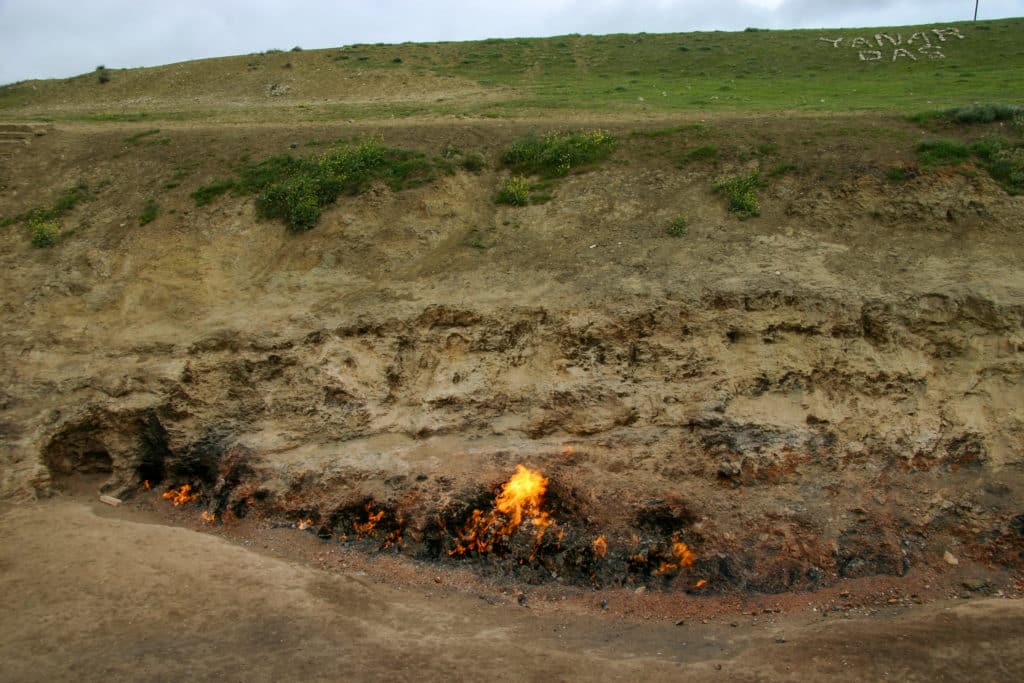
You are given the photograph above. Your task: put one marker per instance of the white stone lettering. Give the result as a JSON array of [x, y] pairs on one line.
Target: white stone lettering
[[876, 48], [919, 35], [943, 32]]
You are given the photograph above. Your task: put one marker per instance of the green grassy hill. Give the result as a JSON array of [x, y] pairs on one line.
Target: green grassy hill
[[905, 68]]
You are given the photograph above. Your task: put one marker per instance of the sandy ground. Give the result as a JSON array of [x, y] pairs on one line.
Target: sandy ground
[[95, 596]]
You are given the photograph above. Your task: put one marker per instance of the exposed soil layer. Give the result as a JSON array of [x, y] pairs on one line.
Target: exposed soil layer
[[831, 391]]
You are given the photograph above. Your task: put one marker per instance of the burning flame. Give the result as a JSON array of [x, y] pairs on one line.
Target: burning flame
[[600, 546], [305, 523], [683, 557], [701, 583], [395, 537], [520, 500], [182, 495], [209, 517], [372, 518], [146, 485]]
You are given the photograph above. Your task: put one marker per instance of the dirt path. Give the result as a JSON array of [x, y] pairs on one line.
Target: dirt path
[[94, 596]]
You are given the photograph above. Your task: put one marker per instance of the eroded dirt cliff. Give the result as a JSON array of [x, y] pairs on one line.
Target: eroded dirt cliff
[[831, 390]]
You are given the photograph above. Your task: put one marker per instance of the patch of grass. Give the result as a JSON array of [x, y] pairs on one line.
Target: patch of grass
[[899, 174], [698, 154], [207, 193], [131, 140], [781, 169], [514, 191], [149, 212], [941, 152], [555, 154], [43, 232], [1004, 161], [295, 190], [671, 130], [741, 191], [679, 227]]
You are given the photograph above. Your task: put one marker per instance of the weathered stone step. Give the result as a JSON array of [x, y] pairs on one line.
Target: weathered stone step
[[12, 135]]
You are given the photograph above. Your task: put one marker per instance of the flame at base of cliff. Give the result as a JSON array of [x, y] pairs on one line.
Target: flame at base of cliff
[[518, 505]]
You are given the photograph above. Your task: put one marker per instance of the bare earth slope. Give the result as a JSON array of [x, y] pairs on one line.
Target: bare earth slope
[[828, 391], [816, 411]]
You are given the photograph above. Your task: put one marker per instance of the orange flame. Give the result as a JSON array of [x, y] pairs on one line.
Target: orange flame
[[600, 546], [681, 553], [305, 523], [209, 517], [182, 495], [520, 500], [146, 485], [701, 583], [366, 528], [395, 536]]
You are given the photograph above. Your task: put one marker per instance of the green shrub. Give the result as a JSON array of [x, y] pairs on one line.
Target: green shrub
[[741, 191], [983, 113], [295, 190], [44, 232], [705, 153], [67, 200], [149, 212], [515, 191], [678, 227], [102, 74], [942, 152], [556, 154], [473, 162]]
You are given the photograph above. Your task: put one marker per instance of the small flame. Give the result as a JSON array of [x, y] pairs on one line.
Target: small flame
[[520, 500], [183, 495], [146, 485], [600, 546], [683, 557], [395, 536], [372, 518], [208, 517], [701, 583], [305, 523]]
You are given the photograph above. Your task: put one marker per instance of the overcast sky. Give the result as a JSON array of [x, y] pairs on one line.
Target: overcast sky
[[59, 38]]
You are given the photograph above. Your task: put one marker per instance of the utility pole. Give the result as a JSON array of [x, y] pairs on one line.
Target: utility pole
[[976, 9]]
